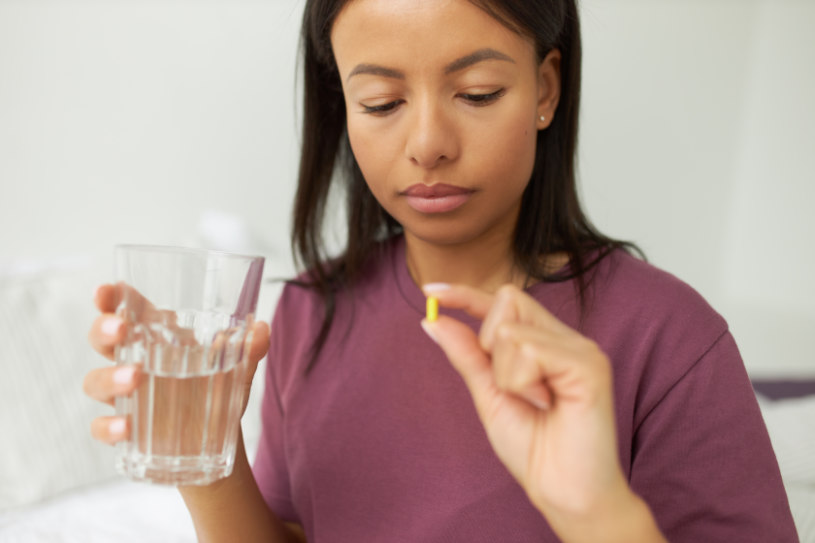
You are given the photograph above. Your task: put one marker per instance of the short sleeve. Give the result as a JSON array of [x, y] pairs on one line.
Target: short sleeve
[[703, 461], [270, 468]]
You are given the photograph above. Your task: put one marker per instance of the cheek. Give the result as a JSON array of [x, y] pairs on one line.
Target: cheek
[[510, 149], [359, 145], [371, 152]]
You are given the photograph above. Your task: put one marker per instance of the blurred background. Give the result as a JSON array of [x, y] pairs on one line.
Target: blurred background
[[176, 122]]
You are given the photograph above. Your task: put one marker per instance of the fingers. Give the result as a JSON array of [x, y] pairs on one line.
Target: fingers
[[106, 332], [511, 304], [257, 350], [521, 348], [104, 384], [107, 297], [516, 372], [110, 430], [575, 367], [108, 329], [508, 304], [475, 302], [504, 309], [543, 366]]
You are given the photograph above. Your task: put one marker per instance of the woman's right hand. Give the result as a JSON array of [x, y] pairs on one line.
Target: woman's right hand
[[105, 384]]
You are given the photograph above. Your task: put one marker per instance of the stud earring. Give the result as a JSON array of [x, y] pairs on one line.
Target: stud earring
[[543, 119]]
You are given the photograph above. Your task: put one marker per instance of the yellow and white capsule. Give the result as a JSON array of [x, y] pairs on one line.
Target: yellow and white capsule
[[432, 308]]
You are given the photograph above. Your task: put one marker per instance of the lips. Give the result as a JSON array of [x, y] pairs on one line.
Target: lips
[[438, 198]]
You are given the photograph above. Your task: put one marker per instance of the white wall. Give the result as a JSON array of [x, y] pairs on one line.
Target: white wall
[[699, 144], [123, 120], [126, 120]]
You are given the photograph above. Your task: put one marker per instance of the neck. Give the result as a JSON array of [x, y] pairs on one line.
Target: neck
[[485, 264]]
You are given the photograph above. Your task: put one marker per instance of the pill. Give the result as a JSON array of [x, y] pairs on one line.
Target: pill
[[432, 308]]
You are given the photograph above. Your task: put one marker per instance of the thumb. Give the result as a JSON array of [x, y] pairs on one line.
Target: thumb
[[259, 336], [461, 345], [257, 350], [260, 342]]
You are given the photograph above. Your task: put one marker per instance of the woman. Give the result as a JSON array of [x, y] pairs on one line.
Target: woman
[[588, 396]]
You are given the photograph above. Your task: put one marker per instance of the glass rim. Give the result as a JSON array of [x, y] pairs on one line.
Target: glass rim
[[153, 248]]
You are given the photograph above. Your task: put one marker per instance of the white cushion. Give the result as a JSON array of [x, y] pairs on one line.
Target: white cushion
[[45, 417], [791, 425]]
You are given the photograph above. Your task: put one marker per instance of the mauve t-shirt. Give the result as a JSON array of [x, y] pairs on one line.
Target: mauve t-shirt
[[380, 441]]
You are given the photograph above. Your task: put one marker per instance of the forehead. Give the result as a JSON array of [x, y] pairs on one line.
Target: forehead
[[420, 31]]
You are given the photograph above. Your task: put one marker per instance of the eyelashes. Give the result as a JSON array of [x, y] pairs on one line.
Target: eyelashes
[[476, 100], [383, 109], [483, 99]]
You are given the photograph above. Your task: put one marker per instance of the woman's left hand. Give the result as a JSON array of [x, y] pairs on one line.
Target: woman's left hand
[[544, 395]]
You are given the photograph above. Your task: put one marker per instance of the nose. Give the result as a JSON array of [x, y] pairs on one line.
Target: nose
[[432, 139]]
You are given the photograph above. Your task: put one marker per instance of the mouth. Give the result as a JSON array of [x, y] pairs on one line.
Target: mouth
[[437, 198]]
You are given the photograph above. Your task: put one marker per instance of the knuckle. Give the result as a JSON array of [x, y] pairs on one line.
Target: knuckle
[[97, 430], [94, 330], [507, 291], [501, 384], [528, 369], [504, 331], [500, 375]]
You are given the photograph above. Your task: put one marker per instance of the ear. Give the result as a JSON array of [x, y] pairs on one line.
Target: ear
[[548, 88]]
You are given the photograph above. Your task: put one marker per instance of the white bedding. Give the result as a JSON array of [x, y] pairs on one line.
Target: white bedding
[[120, 511], [802, 503], [791, 424]]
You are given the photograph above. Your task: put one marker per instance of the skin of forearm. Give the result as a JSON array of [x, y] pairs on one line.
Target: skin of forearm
[[233, 509], [625, 519]]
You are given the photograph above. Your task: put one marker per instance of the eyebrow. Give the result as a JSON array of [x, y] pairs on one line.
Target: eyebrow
[[455, 66], [476, 57]]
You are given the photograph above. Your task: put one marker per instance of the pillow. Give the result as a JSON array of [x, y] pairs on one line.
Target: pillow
[[45, 314], [791, 425]]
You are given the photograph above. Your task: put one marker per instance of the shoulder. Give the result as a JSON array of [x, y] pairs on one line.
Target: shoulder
[[303, 305], [630, 291], [298, 305], [655, 328], [622, 274]]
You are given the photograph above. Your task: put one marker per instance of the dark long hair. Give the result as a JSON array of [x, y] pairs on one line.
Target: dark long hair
[[551, 219]]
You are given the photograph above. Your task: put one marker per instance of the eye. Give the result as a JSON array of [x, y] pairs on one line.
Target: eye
[[480, 100], [381, 110]]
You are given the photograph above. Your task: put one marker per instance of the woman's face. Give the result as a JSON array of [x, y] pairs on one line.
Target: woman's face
[[443, 105]]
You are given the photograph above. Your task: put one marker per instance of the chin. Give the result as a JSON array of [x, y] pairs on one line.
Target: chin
[[446, 233]]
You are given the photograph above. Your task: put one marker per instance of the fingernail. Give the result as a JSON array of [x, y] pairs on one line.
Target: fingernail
[[124, 375], [117, 427], [540, 404], [428, 329], [435, 287], [538, 397], [110, 326]]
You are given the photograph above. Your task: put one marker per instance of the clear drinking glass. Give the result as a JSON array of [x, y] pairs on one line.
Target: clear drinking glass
[[189, 315]]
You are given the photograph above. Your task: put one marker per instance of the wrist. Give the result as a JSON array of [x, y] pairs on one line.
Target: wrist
[[621, 516], [633, 521], [235, 480]]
